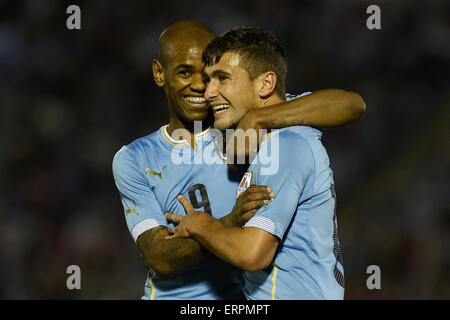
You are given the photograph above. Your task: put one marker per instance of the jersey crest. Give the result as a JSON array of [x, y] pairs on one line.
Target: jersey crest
[[245, 183]]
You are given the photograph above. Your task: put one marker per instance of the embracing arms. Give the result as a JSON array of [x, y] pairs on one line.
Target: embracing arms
[[148, 226], [168, 257], [253, 247], [248, 248]]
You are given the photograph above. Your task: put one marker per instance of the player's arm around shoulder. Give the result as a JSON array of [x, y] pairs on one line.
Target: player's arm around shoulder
[[322, 108]]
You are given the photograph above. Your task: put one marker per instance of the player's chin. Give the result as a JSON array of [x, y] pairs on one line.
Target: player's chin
[[197, 115], [223, 124]]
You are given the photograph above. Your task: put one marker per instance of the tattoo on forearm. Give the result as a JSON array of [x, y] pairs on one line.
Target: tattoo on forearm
[[185, 251], [181, 252], [148, 237]]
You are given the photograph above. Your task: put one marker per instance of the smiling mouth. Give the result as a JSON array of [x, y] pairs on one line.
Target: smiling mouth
[[220, 108], [196, 102]]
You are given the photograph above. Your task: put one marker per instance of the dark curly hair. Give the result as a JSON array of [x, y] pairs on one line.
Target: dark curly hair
[[259, 51]]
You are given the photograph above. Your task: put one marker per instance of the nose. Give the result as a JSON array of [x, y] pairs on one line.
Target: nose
[[211, 90], [198, 84]]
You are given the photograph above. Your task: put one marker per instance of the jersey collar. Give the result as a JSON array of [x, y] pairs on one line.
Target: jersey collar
[[179, 143]]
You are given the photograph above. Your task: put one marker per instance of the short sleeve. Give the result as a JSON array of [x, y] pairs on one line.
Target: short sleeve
[[290, 96], [142, 210], [291, 179]]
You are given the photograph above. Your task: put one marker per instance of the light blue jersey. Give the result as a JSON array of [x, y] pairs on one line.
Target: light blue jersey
[[307, 263], [150, 173]]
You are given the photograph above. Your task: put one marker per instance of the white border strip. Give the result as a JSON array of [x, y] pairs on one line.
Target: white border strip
[[172, 139], [197, 136], [263, 223], [143, 226]]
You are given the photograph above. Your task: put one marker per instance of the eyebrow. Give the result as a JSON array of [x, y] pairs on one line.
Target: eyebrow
[[217, 73], [184, 66]]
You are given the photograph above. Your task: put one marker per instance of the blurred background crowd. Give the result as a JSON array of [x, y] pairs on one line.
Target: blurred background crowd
[[69, 99]]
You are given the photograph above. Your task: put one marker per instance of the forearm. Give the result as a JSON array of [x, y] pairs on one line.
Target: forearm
[[228, 221], [167, 257], [226, 243], [323, 108], [250, 249]]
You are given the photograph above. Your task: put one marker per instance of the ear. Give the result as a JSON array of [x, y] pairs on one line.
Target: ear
[[158, 73], [267, 83]]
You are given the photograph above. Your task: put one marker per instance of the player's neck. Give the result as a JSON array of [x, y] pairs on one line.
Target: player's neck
[[273, 99], [186, 130]]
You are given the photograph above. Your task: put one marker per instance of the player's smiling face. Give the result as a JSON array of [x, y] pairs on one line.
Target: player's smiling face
[[184, 83], [230, 91]]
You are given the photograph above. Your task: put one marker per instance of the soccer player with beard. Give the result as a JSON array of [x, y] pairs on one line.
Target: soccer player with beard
[[149, 181]]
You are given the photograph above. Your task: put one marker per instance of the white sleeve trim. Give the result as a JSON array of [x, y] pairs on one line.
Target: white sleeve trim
[[263, 223], [143, 226]]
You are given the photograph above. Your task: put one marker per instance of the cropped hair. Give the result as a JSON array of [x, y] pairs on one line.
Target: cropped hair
[[259, 52]]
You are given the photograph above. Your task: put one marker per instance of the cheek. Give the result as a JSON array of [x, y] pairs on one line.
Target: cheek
[[244, 99], [178, 84]]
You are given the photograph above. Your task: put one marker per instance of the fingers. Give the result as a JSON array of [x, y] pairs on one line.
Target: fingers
[[173, 233], [255, 197], [177, 232], [173, 217], [248, 215], [255, 189], [260, 196], [186, 204], [254, 205], [255, 192], [173, 236]]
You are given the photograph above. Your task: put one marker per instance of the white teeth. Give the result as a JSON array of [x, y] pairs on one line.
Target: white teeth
[[196, 100], [220, 107]]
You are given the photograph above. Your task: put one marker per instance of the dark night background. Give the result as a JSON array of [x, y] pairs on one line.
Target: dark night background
[[70, 99]]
